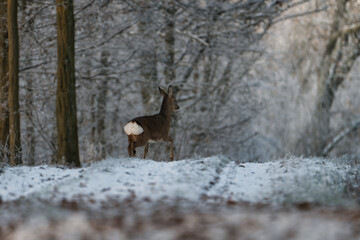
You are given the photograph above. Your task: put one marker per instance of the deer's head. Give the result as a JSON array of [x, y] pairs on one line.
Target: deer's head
[[169, 99]]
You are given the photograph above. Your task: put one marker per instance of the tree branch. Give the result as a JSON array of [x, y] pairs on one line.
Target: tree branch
[[108, 39], [33, 66], [188, 34], [355, 125], [302, 14]]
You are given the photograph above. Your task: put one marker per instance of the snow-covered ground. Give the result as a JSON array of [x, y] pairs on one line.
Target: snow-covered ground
[[314, 180], [156, 193]]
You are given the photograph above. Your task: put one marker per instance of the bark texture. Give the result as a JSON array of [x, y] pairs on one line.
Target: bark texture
[[68, 148], [148, 63], [101, 102], [13, 95], [169, 68], [4, 106]]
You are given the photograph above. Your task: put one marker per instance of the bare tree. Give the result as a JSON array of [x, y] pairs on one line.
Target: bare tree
[[4, 106], [101, 104], [148, 59], [169, 39], [68, 148], [14, 111]]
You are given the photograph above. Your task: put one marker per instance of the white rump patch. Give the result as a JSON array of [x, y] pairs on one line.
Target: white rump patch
[[133, 128]]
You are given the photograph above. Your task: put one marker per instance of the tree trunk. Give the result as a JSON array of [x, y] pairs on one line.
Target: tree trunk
[[169, 69], [68, 148], [30, 131], [148, 62], [93, 118], [14, 113], [4, 106], [30, 139], [101, 103]]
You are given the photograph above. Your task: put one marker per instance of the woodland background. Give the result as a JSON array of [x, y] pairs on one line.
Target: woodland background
[[255, 80]]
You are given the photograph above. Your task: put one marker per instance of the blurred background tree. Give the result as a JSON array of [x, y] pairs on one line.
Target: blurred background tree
[[251, 77]]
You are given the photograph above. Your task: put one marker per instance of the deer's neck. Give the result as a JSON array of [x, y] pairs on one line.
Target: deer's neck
[[165, 109]]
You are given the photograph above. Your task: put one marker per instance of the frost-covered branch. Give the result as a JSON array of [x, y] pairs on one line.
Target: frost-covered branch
[[188, 34], [354, 125], [301, 14]]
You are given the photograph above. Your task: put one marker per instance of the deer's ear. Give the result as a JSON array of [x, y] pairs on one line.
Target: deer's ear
[[170, 90], [162, 92]]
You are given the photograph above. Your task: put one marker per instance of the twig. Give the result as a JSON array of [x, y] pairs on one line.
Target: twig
[[300, 14], [33, 66], [84, 7], [340, 136], [108, 39], [192, 36]]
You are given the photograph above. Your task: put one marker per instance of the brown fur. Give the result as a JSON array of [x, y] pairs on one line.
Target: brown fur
[[156, 127]]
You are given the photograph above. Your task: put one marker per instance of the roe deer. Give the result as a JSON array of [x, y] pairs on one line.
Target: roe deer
[[147, 129]]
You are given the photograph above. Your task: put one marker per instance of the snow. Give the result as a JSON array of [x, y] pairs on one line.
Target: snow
[[289, 180], [199, 198]]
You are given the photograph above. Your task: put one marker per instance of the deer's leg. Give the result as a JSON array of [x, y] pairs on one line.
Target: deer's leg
[[146, 149], [131, 149], [171, 151], [171, 148]]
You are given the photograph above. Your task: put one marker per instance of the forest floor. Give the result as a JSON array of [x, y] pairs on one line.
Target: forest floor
[[204, 198]]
